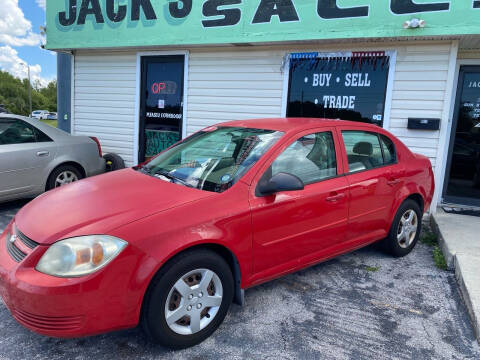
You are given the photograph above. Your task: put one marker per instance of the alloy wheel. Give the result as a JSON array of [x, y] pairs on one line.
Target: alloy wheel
[[65, 177], [193, 301], [407, 228]]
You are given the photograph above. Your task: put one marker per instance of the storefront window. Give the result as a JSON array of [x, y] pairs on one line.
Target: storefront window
[[338, 86]]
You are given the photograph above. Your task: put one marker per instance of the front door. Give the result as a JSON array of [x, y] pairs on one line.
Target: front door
[[293, 228], [161, 104], [462, 183]]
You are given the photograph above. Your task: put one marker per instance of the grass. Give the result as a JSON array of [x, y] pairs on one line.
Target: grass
[[438, 258], [372, 268], [53, 123], [430, 239]]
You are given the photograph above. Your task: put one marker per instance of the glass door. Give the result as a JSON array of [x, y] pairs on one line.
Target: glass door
[[462, 185], [161, 104]]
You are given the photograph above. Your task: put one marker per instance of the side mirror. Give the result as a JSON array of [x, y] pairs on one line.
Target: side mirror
[[280, 182]]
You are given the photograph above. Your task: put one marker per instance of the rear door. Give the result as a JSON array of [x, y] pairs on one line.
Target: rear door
[[24, 153], [374, 176], [293, 228]]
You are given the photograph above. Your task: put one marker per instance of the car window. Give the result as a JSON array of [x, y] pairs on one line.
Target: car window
[[14, 131], [312, 158], [213, 159], [41, 136], [363, 150], [389, 151]]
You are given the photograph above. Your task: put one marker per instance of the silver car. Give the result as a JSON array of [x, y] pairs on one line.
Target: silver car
[[35, 157]]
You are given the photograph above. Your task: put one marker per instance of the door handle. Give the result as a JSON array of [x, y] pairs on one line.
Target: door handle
[[42, 153], [335, 197], [392, 182]]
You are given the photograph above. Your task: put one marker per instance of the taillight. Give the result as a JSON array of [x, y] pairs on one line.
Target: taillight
[[98, 145]]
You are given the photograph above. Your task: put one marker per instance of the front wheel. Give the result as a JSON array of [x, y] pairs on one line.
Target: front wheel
[[188, 299], [405, 229]]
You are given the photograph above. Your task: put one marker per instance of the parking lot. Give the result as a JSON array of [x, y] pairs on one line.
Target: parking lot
[[364, 305]]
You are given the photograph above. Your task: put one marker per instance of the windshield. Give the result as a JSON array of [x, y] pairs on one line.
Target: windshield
[[213, 159]]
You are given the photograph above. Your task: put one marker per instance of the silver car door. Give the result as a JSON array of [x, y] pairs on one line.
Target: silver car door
[[22, 158]]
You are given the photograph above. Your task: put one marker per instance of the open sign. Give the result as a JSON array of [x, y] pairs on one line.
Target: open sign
[[164, 87], [157, 88]]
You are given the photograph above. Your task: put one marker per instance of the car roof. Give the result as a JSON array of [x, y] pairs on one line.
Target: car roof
[[295, 124]]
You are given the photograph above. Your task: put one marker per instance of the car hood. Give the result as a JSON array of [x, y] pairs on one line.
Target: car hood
[[100, 204]]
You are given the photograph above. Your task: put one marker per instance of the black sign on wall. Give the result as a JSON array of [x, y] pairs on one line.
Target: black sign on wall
[[340, 86]]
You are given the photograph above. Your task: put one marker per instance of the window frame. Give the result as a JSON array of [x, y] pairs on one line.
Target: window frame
[[383, 150], [389, 51], [288, 142], [369, 131]]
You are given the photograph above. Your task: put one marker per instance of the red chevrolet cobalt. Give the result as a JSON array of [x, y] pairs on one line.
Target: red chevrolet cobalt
[[170, 244]]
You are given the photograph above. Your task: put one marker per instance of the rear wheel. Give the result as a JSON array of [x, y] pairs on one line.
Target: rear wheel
[[405, 229], [188, 299], [63, 175]]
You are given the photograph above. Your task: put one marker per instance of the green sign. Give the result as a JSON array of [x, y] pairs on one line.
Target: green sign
[[73, 24]]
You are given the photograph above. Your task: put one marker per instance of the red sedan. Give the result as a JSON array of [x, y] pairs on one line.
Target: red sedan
[[170, 244]]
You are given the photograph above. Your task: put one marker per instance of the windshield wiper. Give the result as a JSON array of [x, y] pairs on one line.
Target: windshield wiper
[[174, 178], [144, 169]]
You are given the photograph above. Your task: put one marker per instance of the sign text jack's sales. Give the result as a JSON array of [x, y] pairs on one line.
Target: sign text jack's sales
[[215, 14]]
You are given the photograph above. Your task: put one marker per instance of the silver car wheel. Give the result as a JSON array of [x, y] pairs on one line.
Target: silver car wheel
[[193, 301], [407, 228], [65, 177]]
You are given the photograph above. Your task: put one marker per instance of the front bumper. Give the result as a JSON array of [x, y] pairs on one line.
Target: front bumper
[[107, 300]]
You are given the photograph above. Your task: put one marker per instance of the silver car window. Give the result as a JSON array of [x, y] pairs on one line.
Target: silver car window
[[14, 131]]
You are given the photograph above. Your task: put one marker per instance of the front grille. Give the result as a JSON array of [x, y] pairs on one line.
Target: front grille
[[15, 252], [26, 240], [52, 323]]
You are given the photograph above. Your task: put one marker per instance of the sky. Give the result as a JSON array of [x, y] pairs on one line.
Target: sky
[[20, 41]]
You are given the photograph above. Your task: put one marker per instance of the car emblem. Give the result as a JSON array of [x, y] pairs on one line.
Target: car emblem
[[13, 238]]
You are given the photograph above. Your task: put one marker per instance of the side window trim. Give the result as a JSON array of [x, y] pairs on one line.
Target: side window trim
[[381, 136], [381, 148]]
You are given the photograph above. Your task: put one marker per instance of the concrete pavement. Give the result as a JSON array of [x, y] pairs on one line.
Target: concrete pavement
[[459, 238]]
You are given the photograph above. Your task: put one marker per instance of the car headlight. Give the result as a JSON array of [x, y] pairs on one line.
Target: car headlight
[[79, 256]]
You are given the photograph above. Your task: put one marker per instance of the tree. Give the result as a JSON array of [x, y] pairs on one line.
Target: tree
[[14, 95]]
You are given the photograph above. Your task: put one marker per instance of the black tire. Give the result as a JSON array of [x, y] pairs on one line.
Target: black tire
[[153, 317], [391, 244], [114, 162], [51, 182]]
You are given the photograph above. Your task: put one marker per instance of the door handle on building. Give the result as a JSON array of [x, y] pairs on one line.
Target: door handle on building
[[42, 153]]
